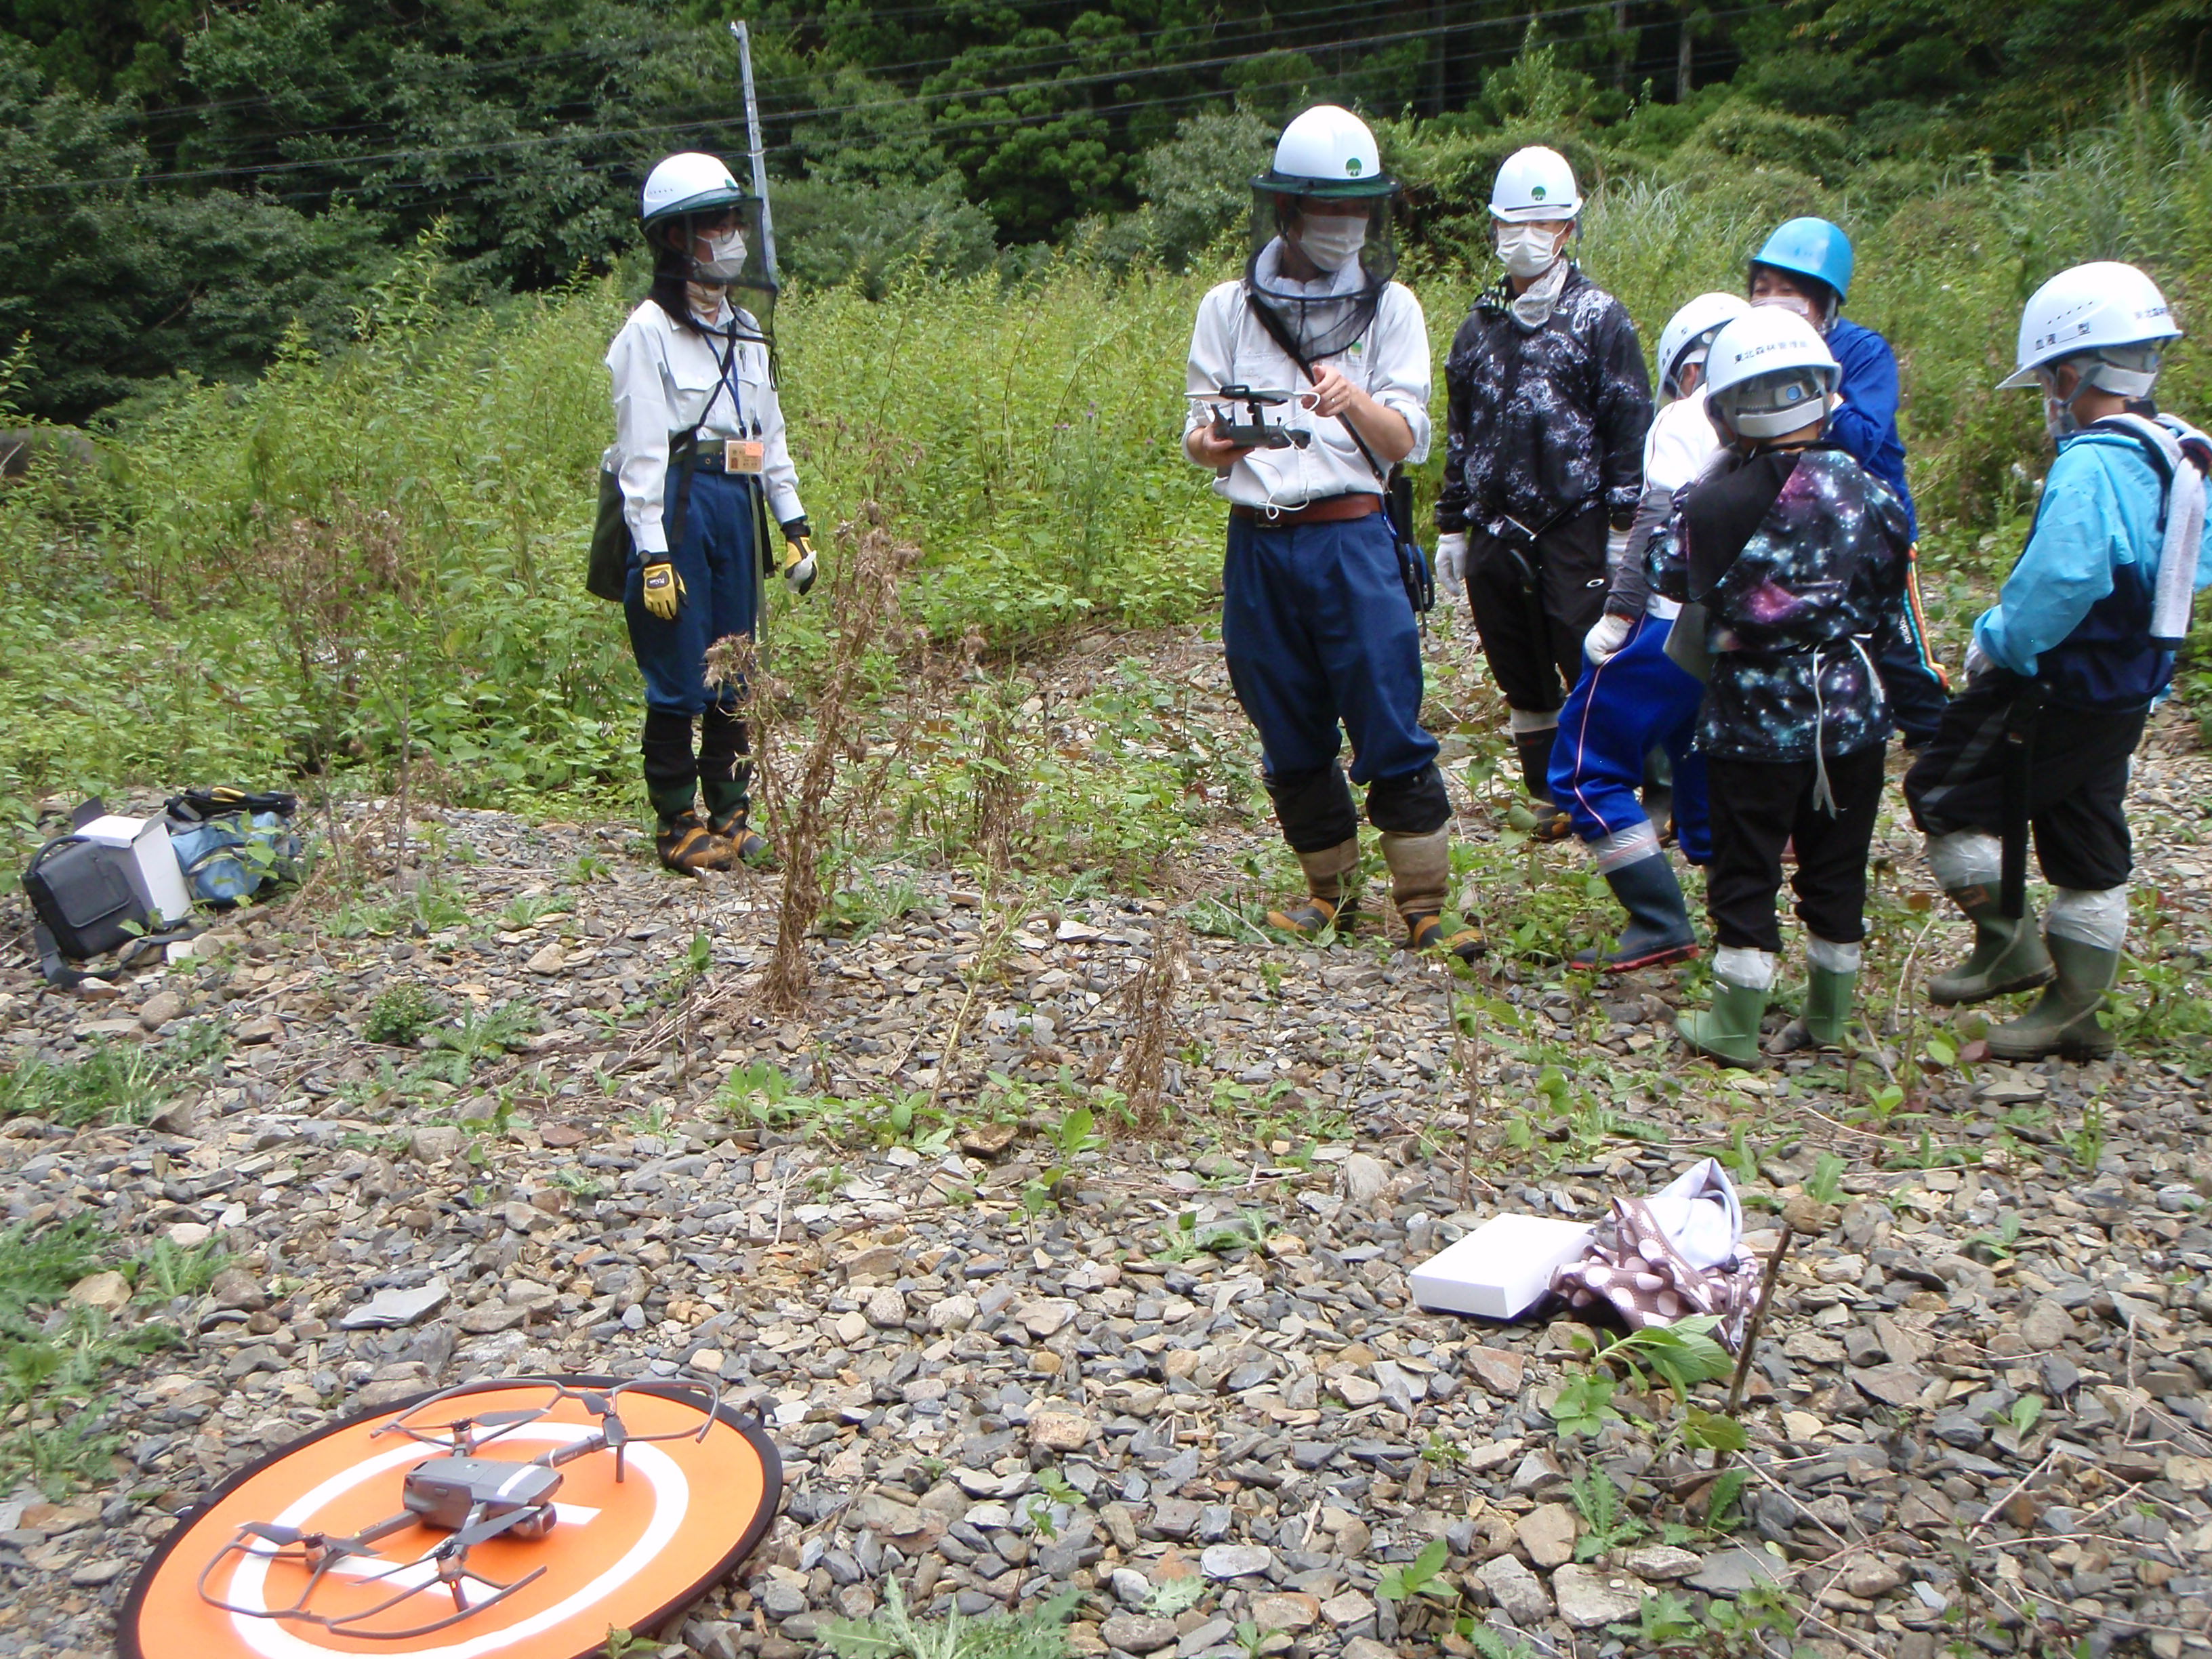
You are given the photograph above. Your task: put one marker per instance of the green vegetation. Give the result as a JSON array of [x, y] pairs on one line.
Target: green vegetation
[[896, 1634], [114, 1082]]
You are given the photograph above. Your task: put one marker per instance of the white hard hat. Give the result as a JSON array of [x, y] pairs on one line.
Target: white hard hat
[[687, 183], [1327, 151], [1534, 183], [1692, 329], [2090, 308], [1769, 373]]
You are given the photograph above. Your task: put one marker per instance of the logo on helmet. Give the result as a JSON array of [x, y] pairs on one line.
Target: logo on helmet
[[1536, 193], [1352, 166]]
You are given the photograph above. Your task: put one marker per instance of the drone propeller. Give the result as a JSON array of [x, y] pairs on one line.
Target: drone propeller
[[280, 1536]]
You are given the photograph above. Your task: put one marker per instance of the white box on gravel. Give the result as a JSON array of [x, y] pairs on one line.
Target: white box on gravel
[[1501, 1269], [158, 877]]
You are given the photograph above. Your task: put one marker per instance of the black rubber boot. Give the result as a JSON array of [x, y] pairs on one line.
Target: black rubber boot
[[1658, 930], [1538, 817], [671, 773]]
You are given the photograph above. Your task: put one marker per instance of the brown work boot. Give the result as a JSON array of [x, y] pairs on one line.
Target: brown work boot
[[752, 846], [1420, 884], [1327, 902], [688, 847]]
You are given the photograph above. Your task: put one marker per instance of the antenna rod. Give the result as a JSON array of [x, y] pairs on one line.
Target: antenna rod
[[760, 158]]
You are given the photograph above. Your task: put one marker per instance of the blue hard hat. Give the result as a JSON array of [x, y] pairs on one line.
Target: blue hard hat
[[1810, 247]]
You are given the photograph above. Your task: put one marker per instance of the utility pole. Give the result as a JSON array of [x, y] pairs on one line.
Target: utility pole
[[760, 157]]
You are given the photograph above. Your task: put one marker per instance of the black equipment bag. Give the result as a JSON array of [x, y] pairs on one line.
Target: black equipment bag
[[82, 894]]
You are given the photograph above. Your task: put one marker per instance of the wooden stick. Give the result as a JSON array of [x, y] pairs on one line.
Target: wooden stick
[[1758, 1319]]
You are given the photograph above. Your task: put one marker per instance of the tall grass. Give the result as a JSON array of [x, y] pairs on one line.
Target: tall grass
[[206, 607]]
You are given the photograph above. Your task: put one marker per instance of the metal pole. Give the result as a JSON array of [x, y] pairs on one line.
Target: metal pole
[[760, 158]]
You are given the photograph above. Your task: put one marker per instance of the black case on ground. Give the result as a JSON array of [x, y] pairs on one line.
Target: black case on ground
[[83, 892]]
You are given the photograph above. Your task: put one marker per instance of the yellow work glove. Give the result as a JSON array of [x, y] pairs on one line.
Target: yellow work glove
[[797, 556], [664, 589]]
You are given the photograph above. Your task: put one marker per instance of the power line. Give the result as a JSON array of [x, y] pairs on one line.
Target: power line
[[980, 94]]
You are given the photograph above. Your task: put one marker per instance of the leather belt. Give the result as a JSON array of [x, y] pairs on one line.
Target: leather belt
[[1330, 509]]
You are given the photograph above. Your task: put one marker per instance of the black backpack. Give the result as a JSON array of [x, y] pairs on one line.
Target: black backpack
[[82, 894]]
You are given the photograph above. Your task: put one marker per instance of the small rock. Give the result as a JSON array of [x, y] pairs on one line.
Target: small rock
[[389, 1310], [1138, 1632], [1347, 1608], [1538, 1470], [2047, 1325], [267, 1029], [951, 1313], [159, 1009], [1222, 1561], [887, 1310], [1810, 1216], [1364, 1179], [91, 1574], [1497, 1370], [240, 1291], [1290, 1610], [1892, 1385], [1515, 1589], [188, 1235], [434, 1142], [548, 958], [1869, 1576], [110, 1292], [1045, 1318], [1547, 1533], [1589, 1599], [1659, 1561], [988, 1140], [1061, 1431], [1131, 1588], [1356, 1390], [1733, 1572]]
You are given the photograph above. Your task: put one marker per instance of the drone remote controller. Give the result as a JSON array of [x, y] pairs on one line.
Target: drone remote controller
[[1255, 431]]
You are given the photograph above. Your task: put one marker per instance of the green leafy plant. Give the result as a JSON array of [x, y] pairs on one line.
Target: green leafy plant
[[1607, 1524], [401, 1015], [1664, 1623], [2085, 1142], [1824, 1185], [1585, 1404], [894, 1633], [1074, 1135], [168, 1270], [1422, 1577], [1171, 1596]]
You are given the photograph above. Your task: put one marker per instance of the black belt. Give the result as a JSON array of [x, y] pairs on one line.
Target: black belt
[[1329, 509]]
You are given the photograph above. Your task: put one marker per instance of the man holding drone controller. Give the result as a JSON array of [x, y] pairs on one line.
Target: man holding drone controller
[[1320, 588]]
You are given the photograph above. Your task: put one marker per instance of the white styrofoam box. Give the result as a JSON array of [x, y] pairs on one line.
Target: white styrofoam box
[[1501, 1269], [160, 880]]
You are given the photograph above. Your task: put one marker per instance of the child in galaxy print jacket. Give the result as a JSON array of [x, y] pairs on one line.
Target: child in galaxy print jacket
[[1799, 557]]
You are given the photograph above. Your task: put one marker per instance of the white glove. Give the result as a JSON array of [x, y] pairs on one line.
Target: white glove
[[1452, 565], [1977, 661], [1603, 642]]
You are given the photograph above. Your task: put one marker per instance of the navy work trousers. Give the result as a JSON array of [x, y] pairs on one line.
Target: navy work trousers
[[1318, 636], [1619, 711], [714, 558]]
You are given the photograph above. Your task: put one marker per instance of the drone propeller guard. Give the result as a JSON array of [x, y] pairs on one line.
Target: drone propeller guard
[[299, 1555]]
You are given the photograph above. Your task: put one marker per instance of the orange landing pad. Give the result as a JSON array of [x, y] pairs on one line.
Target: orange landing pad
[[621, 1556]]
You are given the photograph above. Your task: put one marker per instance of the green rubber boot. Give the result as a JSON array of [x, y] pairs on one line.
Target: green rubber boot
[[2064, 1019], [1728, 1030], [1825, 1022], [2007, 954]]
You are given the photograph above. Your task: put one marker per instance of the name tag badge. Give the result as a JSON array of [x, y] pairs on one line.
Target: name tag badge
[[745, 455]]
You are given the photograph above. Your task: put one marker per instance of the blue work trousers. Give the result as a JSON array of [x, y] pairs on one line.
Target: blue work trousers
[[716, 559], [1619, 711], [1319, 634]]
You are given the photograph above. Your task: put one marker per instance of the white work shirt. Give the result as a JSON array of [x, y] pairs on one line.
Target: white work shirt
[[664, 377], [1229, 346], [1679, 445]]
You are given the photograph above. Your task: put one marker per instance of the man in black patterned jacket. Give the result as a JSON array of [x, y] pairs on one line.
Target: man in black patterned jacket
[[1549, 401]]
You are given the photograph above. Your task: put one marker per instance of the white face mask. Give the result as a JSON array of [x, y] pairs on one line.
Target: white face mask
[[1333, 241], [1529, 250], [726, 260], [1798, 303]]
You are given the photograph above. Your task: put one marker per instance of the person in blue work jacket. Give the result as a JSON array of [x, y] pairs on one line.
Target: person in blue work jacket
[[699, 436], [1309, 381], [2065, 667], [1806, 265], [1631, 697]]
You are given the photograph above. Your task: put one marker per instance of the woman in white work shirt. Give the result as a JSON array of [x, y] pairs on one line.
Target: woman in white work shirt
[[698, 436]]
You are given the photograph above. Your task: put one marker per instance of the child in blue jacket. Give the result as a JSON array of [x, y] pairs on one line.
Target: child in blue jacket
[[2065, 667]]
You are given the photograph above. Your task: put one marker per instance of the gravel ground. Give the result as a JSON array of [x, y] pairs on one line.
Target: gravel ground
[[1199, 1362]]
